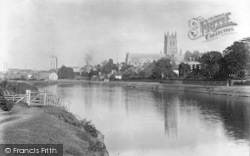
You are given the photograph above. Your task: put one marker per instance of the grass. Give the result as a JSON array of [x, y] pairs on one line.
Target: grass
[[50, 125], [8, 119]]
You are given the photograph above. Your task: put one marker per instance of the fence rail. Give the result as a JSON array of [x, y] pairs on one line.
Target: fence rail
[[43, 98]]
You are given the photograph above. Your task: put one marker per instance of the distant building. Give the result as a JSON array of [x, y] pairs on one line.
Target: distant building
[[139, 59], [170, 51], [14, 76], [194, 65], [53, 76], [47, 76], [43, 75], [29, 76], [117, 75], [54, 62], [26, 72], [76, 69], [13, 70]]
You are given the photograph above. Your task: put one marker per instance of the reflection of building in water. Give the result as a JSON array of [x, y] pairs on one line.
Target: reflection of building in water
[[171, 117]]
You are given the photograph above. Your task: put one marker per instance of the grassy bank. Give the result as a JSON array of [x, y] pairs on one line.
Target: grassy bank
[[49, 125], [46, 125]]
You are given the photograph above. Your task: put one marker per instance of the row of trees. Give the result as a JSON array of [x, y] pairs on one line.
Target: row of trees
[[233, 63]]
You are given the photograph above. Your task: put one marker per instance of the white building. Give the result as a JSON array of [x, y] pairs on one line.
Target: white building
[[53, 76], [76, 69], [194, 64]]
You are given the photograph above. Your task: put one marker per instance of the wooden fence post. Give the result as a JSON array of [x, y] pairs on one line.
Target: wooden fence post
[[28, 96], [44, 98]]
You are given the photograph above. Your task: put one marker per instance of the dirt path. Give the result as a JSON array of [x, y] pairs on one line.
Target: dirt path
[[16, 115]]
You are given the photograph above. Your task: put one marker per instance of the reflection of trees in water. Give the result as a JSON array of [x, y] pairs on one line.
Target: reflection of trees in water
[[235, 116], [231, 111]]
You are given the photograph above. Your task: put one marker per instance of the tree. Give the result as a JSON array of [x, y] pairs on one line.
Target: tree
[[148, 68], [129, 73], [236, 59], [109, 66], [125, 67], [98, 68], [65, 73], [184, 69], [211, 64], [92, 72], [163, 69], [189, 56]]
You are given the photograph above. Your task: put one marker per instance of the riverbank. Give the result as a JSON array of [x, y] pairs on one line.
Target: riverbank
[[241, 91], [48, 125]]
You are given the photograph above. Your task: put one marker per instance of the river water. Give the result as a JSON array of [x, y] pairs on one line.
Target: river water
[[162, 123]]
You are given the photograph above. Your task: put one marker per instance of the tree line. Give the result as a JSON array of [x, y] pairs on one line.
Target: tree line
[[232, 63]]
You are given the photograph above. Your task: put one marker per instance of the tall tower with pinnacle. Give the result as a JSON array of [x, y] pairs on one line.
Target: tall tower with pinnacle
[[53, 63], [170, 44]]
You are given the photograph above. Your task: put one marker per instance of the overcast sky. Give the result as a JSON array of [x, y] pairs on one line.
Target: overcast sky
[[32, 30]]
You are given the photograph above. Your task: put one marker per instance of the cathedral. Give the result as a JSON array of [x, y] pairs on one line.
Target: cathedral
[[170, 51]]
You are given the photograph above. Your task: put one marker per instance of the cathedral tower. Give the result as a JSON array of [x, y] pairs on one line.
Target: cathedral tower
[[170, 44]]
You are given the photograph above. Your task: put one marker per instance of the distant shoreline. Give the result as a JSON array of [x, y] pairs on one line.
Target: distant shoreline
[[240, 91]]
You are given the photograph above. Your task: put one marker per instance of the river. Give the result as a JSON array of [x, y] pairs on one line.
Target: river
[[159, 123]]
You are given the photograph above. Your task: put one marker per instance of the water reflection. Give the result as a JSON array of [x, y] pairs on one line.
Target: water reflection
[[141, 122], [233, 112]]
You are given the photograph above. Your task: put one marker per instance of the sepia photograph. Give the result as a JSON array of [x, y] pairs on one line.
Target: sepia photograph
[[124, 78]]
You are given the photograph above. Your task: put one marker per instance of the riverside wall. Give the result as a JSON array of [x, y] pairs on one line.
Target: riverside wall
[[243, 91]]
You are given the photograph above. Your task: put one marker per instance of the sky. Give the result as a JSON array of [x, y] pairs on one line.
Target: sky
[[31, 31]]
